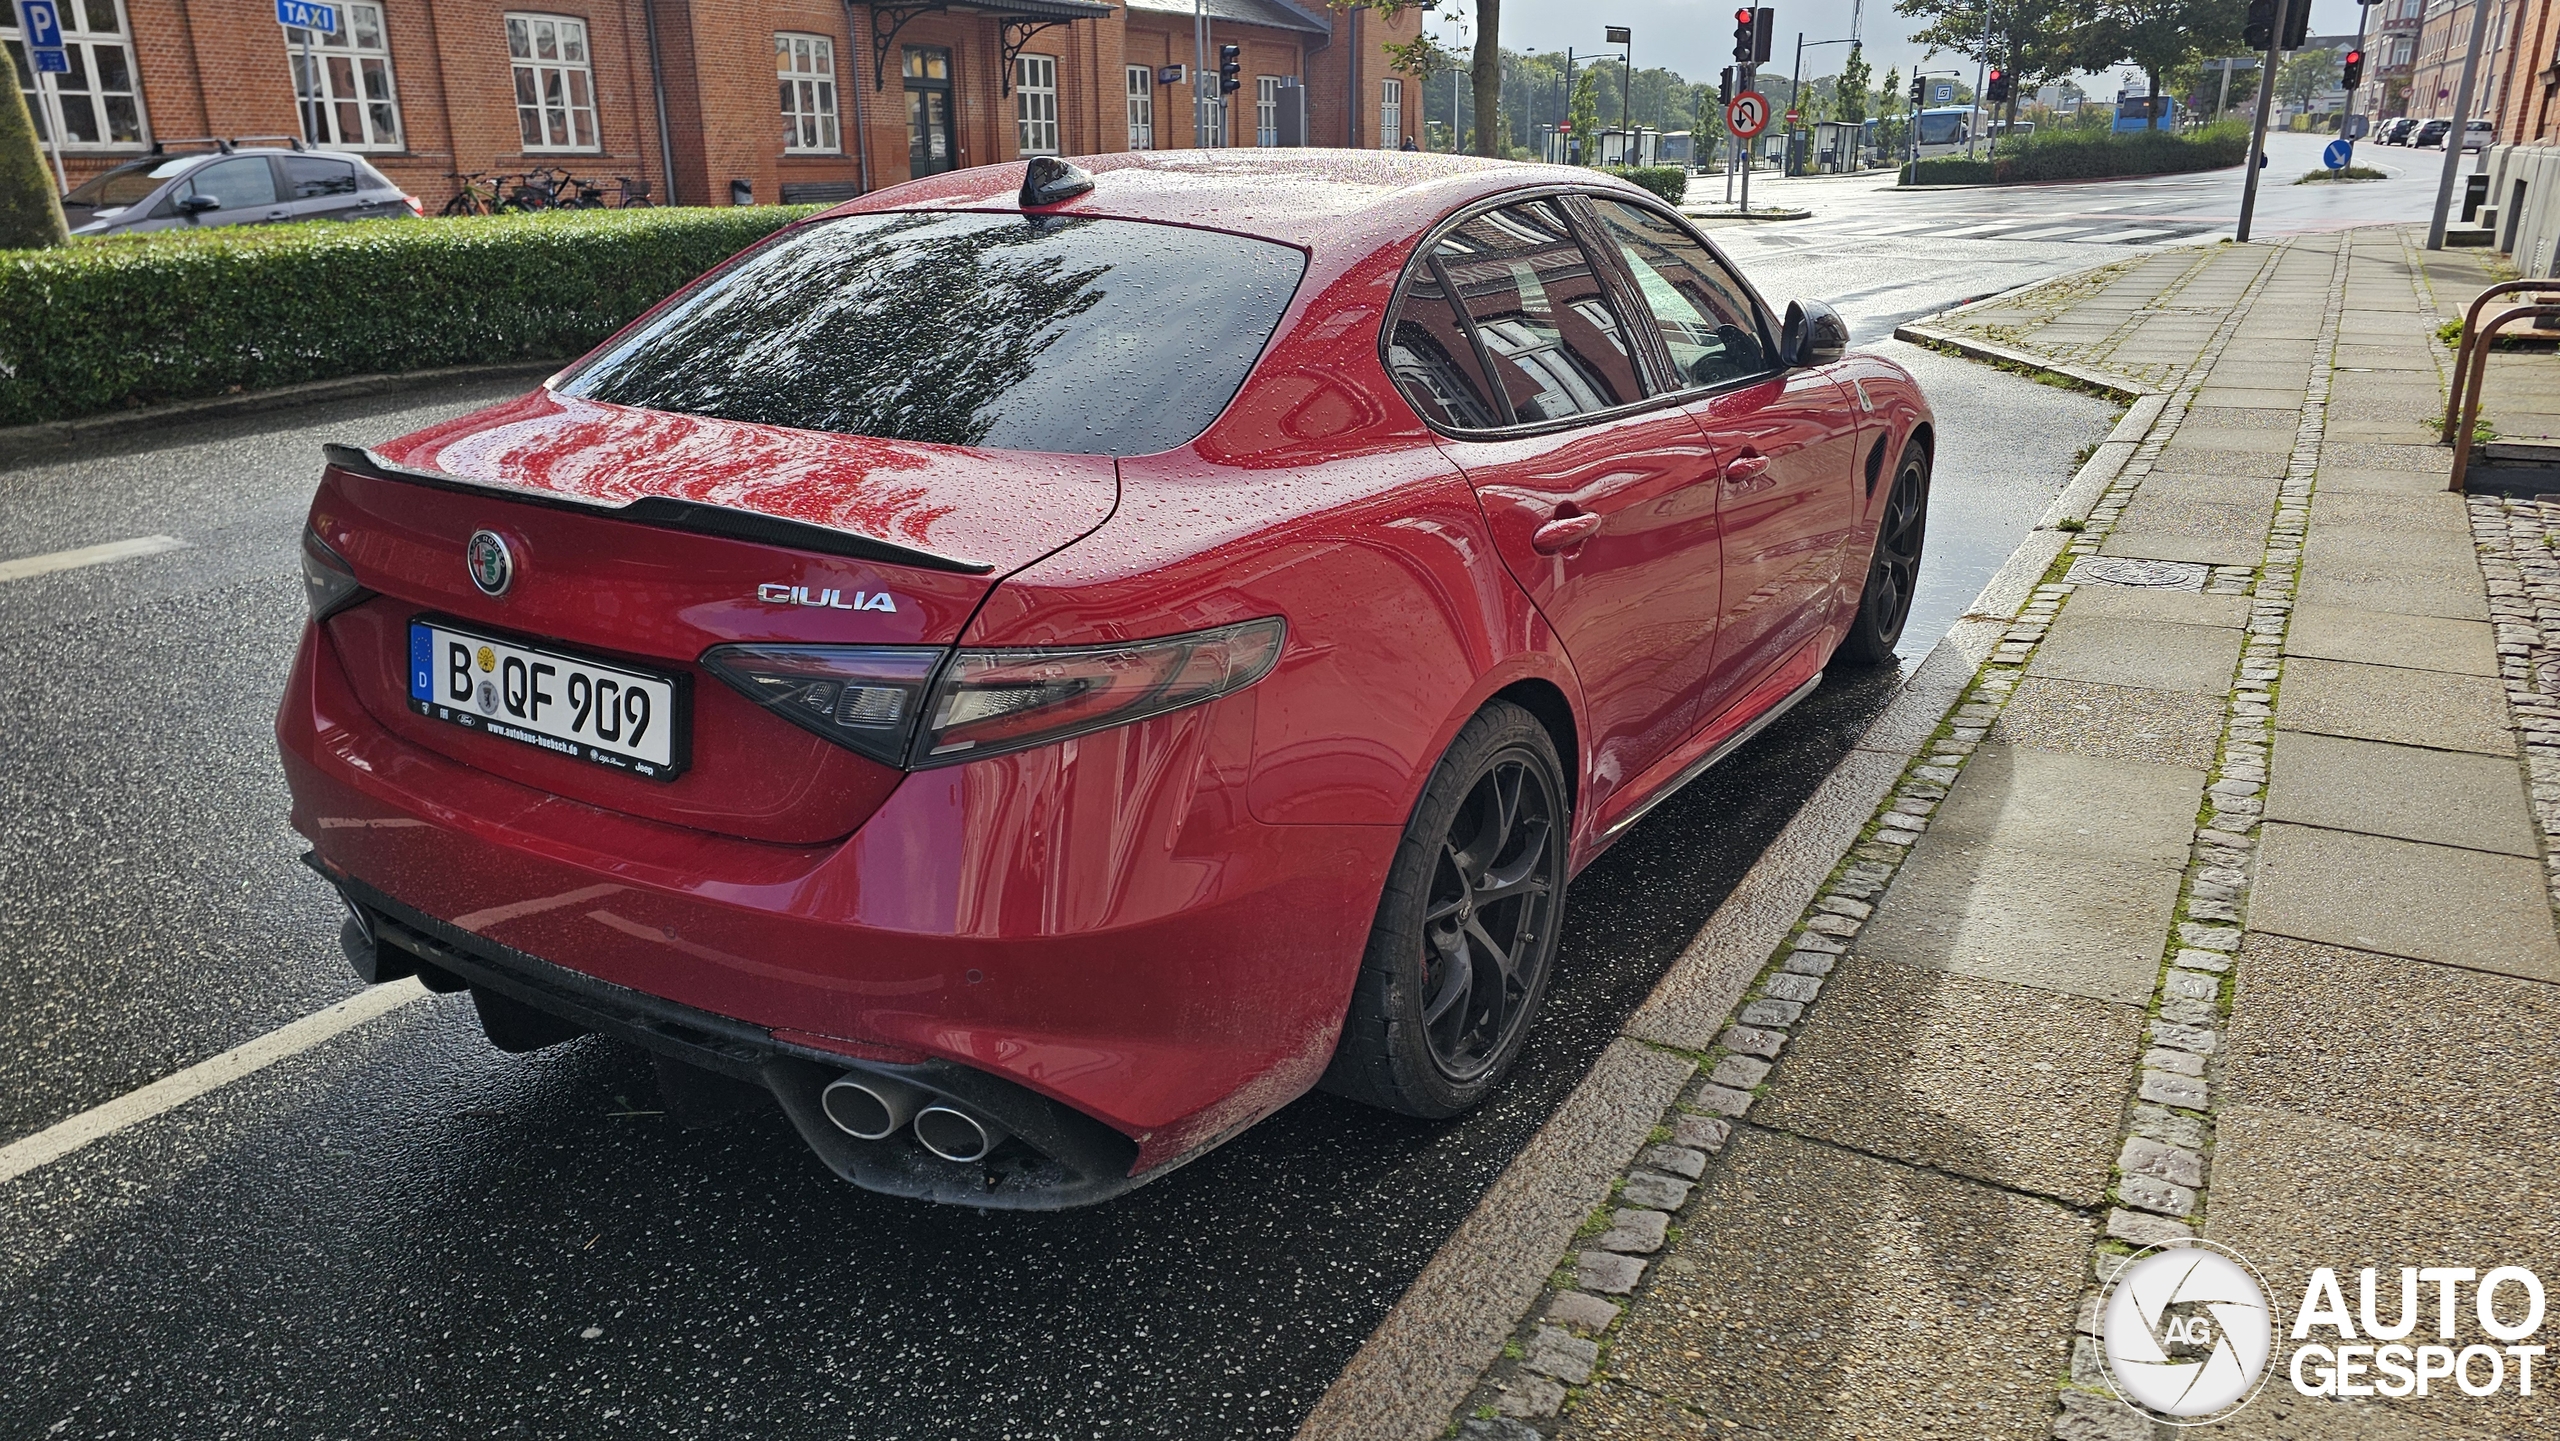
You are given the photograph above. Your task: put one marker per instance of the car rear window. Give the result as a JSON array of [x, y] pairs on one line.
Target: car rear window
[[126, 184], [1074, 335]]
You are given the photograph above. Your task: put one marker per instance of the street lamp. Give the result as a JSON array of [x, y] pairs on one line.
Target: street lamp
[[1621, 35]]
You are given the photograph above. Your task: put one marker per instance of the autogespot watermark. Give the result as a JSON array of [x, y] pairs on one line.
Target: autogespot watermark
[[2189, 1332]]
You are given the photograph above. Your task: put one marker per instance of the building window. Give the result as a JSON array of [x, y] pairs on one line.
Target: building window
[[96, 105], [1390, 114], [345, 91], [1142, 108], [805, 66], [1035, 103], [1266, 110], [555, 86]]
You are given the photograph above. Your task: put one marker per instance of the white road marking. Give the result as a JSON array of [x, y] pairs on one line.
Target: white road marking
[[2125, 237], [2048, 232], [35, 565], [170, 1092]]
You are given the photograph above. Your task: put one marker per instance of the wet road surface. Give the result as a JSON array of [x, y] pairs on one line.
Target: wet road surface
[[405, 1232]]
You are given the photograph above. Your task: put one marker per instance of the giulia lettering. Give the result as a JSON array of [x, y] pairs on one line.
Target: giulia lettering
[[776, 593]]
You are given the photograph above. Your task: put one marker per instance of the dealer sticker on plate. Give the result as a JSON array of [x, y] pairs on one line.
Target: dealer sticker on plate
[[607, 715]]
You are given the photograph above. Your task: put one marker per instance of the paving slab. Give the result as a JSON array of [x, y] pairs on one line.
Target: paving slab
[[2127, 723], [2434, 511], [2393, 703], [2071, 806], [2375, 637], [2252, 492], [1925, 1067], [2193, 658], [2340, 476], [2463, 908], [2080, 925], [2361, 356], [2205, 415], [1818, 1293], [2177, 607], [2292, 1192], [2252, 397], [2202, 433], [2444, 798], [2428, 459], [2164, 526], [2223, 462], [2451, 1080]]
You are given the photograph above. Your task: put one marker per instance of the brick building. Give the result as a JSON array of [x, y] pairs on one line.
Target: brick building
[[708, 101]]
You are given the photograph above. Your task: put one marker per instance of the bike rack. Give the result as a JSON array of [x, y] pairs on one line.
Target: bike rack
[[2470, 331], [2472, 363]]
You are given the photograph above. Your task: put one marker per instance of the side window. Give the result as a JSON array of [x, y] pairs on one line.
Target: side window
[[1550, 337], [1433, 360], [242, 184], [1700, 307], [312, 177]]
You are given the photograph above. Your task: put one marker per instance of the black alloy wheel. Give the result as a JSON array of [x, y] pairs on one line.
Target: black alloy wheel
[[1459, 957], [1884, 605]]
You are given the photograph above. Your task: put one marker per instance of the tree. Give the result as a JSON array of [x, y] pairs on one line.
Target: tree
[[2032, 41], [1586, 115], [1855, 76], [2305, 74], [1422, 58], [1484, 71], [2155, 36], [30, 213], [1892, 103]]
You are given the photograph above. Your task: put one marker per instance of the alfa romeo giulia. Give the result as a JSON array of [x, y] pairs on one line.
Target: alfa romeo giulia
[[1041, 666]]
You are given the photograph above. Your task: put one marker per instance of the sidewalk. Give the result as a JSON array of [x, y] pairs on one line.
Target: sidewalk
[[2218, 906]]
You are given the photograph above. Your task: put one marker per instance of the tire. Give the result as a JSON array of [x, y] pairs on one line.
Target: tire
[[1884, 602], [1436, 1016], [511, 1025]]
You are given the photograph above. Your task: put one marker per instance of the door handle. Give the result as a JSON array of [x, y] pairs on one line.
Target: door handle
[[1563, 533], [1747, 467]]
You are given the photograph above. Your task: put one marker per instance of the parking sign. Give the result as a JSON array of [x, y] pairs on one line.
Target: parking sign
[[42, 25], [1942, 92]]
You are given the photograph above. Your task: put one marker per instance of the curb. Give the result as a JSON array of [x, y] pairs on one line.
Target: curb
[[2124, 390], [20, 443], [1428, 1353], [1755, 216]]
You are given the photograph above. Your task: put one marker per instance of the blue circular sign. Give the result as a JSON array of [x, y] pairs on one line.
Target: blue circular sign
[[2339, 153]]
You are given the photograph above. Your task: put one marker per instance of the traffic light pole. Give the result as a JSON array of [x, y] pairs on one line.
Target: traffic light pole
[[2461, 131], [2266, 107]]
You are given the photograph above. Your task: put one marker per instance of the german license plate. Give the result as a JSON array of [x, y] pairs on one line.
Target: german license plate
[[602, 713]]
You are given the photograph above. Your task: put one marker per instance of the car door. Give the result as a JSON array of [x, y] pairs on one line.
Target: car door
[[321, 187], [243, 188], [1600, 498], [1787, 440]]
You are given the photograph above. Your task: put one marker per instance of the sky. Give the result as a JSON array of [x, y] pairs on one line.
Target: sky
[[1697, 40]]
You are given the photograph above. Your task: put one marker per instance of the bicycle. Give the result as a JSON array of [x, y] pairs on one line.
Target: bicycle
[[635, 194], [477, 195]]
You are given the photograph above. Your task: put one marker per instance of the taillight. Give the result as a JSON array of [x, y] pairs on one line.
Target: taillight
[[416, 206], [865, 698], [914, 707], [328, 583]]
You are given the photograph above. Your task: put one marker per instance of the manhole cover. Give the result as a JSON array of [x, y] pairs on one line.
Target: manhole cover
[[2148, 574]]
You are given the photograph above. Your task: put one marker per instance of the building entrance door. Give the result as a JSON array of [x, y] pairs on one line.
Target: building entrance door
[[931, 147]]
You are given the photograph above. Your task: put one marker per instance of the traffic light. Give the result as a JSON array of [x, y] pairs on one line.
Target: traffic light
[[2297, 24], [1744, 29], [1764, 23], [1724, 87], [1230, 61], [2259, 30], [1999, 87], [1919, 91], [2354, 74]]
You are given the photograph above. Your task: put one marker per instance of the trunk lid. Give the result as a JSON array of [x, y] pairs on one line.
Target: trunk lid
[[642, 539]]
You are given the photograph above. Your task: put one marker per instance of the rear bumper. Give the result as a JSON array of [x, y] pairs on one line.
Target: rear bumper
[[1096, 935]]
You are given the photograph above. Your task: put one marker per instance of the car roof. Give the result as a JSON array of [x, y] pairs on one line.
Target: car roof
[[1319, 200]]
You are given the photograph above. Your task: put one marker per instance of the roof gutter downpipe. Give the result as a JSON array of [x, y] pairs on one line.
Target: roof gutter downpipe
[[861, 130], [658, 87]]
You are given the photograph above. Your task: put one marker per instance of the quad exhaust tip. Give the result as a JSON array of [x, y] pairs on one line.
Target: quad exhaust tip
[[869, 1108], [957, 1135]]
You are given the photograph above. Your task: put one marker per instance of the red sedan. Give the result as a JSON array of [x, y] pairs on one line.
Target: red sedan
[[1038, 667]]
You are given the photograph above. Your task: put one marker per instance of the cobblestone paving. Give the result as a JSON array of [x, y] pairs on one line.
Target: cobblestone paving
[[1675, 1314]]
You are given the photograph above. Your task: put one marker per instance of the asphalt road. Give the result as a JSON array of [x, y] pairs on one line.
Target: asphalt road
[[404, 1232]]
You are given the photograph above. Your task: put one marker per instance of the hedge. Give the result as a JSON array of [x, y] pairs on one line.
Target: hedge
[[2092, 155], [101, 325], [1668, 181]]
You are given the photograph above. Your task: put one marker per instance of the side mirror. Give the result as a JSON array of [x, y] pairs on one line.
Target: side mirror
[[198, 205], [1813, 335]]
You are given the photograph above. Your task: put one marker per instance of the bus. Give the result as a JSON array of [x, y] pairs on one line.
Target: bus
[[2146, 112], [1947, 129]]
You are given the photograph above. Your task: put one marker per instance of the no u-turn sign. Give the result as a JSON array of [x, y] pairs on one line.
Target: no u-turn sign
[[1748, 115]]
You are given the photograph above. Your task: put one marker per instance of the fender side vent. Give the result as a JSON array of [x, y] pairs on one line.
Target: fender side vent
[[1875, 465]]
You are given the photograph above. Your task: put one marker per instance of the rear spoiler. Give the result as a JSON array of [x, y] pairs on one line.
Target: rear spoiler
[[668, 513]]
